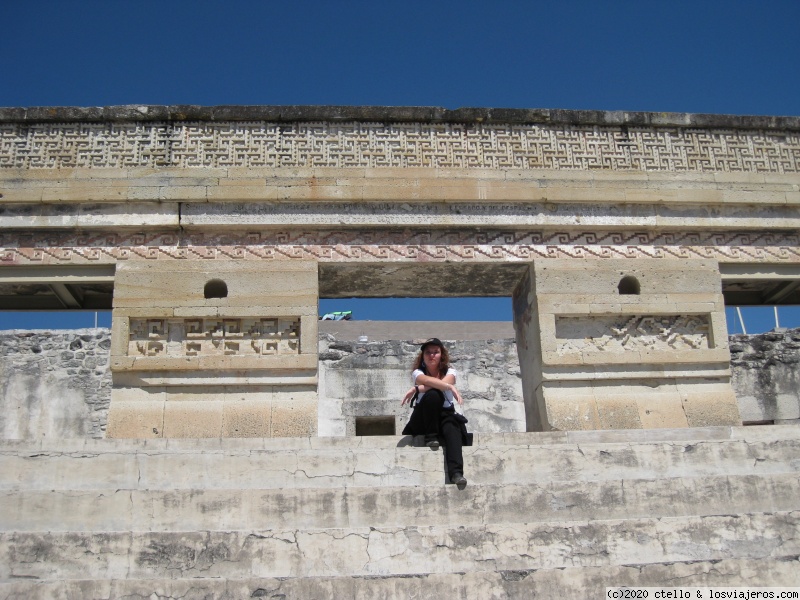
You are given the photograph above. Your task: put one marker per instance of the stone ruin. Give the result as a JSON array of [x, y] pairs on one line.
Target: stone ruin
[[359, 381], [211, 234]]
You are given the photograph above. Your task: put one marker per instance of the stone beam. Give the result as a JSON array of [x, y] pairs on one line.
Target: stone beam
[[399, 114]]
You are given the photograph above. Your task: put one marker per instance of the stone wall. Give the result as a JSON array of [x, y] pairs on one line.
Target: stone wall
[[54, 384], [623, 344], [368, 379], [222, 350], [57, 384], [766, 375]]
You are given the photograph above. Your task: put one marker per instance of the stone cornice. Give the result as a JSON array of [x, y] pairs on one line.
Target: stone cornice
[[397, 114]]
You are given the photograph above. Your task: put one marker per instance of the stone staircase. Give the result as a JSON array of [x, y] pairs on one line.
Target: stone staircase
[[545, 515]]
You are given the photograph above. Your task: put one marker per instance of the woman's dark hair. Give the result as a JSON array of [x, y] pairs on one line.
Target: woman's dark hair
[[444, 364]]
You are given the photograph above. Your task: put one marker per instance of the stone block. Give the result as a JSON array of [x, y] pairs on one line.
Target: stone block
[[162, 363], [122, 363], [247, 417], [244, 336], [661, 408], [378, 193], [695, 196], [616, 409], [174, 173], [294, 413], [120, 332], [136, 419], [199, 311], [719, 330], [570, 408], [143, 192], [31, 194], [85, 193], [707, 404], [184, 193], [278, 362], [313, 192], [265, 310], [149, 312], [730, 177], [247, 284], [782, 178], [195, 394], [308, 334], [236, 193], [192, 418], [123, 393]]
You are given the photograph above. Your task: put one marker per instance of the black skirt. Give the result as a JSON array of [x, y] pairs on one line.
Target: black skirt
[[429, 416]]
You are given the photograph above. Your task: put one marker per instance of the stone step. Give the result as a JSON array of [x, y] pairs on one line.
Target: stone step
[[209, 465], [322, 508], [545, 515], [762, 433], [543, 584], [370, 551]]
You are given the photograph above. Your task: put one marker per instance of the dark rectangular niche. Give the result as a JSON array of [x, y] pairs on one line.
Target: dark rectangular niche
[[382, 425]]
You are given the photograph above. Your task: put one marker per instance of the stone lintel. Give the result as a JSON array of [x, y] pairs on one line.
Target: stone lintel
[[399, 114]]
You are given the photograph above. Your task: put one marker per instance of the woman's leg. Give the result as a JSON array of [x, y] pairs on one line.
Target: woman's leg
[[431, 406], [451, 432]]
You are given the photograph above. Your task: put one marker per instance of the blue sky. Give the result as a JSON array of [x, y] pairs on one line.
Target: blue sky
[[703, 56]]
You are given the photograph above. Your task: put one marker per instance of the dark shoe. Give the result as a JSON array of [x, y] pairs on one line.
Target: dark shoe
[[459, 480], [432, 442]]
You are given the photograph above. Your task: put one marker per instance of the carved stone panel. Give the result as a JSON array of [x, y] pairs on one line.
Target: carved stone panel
[[214, 337], [619, 333]]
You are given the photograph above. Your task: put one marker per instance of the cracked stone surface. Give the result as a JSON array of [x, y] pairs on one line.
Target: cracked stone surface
[[553, 515], [208, 467], [319, 508], [523, 584], [400, 550]]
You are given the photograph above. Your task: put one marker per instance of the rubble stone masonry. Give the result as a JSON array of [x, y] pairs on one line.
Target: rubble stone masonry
[[57, 384]]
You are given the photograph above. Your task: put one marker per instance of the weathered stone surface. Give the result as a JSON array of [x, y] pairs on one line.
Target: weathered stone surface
[[522, 584], [410, 550], [147, 113], [370, 378], [54, 384], [766, 375], [388, 461], [203, 342], [613, 343], [35, 367], [601, 509]]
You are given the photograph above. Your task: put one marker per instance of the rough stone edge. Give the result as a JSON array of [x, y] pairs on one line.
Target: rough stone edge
[[396, 114]]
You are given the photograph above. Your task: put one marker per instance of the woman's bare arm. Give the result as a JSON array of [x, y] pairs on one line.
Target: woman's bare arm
[[446, 384], [410, 393]]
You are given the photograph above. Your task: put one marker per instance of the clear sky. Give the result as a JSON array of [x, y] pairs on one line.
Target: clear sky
[[701, 56]]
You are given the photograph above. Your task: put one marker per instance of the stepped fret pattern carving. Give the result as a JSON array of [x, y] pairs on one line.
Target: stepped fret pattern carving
[[214, 337], [403, 246], [621, 333], [374, 145]]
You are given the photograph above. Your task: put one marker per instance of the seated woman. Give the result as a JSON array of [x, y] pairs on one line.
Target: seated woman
[[434, 414]]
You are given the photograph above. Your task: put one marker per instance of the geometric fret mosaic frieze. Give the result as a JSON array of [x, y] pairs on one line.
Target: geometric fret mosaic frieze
[[395, 245], [214, 337], [188, 145]]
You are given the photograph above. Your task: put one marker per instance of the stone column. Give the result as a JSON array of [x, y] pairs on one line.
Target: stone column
[[214, 349], [623, 344]]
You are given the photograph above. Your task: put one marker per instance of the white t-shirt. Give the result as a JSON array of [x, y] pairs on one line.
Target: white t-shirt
[[448, 395]]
